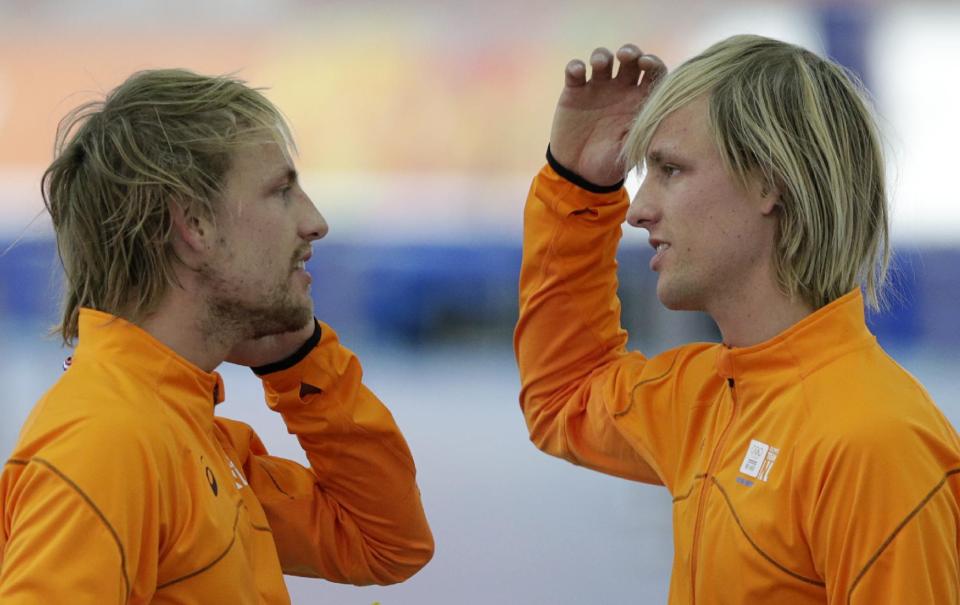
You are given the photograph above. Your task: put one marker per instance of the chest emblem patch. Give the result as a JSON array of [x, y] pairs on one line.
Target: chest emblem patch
[[759, 460]]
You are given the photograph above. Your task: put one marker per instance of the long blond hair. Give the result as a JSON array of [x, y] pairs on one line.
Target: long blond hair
[[162, 137], [802, 124]]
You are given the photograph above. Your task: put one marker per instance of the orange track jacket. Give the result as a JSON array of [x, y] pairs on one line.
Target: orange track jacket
[[124, 487], [807, 469]]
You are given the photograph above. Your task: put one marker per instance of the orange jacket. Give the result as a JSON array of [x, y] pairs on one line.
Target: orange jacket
[[124, 487], [807, 469]]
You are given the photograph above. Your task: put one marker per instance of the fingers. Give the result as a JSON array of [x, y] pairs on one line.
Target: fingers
[[653, 69], [635, 67], [575, 74], [602, 63], [629, 57]]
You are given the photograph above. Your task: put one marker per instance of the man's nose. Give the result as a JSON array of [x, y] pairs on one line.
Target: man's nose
[[314, 226], [643, 211]]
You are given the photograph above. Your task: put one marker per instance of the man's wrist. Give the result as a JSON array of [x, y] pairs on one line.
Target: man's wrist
[[293, 359], [578, 180]]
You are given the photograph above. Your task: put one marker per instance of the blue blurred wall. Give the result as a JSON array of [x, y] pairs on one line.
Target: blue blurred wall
[[427, 293]]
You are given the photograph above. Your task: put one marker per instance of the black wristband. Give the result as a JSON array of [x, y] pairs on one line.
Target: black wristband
[[294, 359], [578, 180]]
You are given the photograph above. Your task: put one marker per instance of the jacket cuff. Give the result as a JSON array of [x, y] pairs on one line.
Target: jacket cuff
[[293, 359], [578, 180]]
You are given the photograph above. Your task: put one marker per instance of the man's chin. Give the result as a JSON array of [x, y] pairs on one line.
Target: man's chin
[[676, 299], [280, 320]]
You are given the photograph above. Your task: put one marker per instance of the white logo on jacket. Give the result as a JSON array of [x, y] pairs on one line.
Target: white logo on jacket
[[759, 460], [239, 481]]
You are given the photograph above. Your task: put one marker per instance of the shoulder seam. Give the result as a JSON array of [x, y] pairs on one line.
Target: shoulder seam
[[633, 391], [910, 516], [86, 498]]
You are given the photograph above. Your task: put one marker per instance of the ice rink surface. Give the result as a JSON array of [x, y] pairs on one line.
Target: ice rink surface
[[512, 525]]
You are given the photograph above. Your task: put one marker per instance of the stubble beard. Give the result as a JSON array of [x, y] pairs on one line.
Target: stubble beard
[[233, 317]]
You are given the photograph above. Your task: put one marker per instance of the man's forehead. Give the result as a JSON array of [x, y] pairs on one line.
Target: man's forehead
[[678, 128], [685, 117], [263, 154]]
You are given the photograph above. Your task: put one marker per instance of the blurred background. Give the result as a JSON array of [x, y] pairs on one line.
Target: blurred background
[[420, 125]]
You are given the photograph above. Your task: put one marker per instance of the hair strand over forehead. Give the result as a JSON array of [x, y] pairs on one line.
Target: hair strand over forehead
[[800, 123]]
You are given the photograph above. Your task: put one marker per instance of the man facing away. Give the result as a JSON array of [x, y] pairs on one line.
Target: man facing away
[[805, 465], [183, 232]]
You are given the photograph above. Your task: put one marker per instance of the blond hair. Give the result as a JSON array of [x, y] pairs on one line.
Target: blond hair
[[800, 124], [162, 137]]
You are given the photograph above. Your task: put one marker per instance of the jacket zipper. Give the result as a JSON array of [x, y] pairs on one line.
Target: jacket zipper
[[701, 502]]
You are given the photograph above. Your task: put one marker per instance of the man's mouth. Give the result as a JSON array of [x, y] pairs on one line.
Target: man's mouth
[[659, 248], [658, 244], [300, 260]]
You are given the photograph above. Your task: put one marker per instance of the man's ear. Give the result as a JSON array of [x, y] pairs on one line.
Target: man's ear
[[191, 229], [771, 196]]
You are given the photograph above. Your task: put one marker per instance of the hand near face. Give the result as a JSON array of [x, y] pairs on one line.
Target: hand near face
[[263, 351], [593, 117]]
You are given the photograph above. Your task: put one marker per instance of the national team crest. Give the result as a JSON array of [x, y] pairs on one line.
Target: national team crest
[[759, 460]]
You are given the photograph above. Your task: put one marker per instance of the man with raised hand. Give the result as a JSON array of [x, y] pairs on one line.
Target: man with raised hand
[[805, 465], [184, 234]]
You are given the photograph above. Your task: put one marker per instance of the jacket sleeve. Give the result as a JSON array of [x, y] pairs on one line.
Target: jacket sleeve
[[80, 520], [355, 515], [884, 516], [576, 375]]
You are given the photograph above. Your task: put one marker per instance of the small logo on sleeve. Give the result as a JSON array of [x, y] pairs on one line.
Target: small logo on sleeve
[[212, 481], [759, 460]]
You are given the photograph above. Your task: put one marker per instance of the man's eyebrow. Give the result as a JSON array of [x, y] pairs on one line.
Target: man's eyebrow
[[289, 176], [658, 157]]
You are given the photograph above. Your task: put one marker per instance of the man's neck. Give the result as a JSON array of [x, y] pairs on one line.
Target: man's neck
[[757, 315], [178, 324]]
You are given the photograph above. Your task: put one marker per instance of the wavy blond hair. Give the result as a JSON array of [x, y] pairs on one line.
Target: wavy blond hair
[[802, 124], [162, 137]]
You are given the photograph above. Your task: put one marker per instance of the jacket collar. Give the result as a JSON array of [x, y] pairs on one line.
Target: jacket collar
[[822, 336], [112, 341]]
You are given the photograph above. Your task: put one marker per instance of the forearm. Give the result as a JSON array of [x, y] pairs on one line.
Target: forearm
[[570, 348], [569, 311], [368, 524]]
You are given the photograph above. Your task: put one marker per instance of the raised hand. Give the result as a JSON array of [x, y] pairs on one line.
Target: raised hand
[[594, 116]]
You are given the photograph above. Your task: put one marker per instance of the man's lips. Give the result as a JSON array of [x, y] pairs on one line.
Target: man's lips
[[658, 244], [660, 247], [300, 260]]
